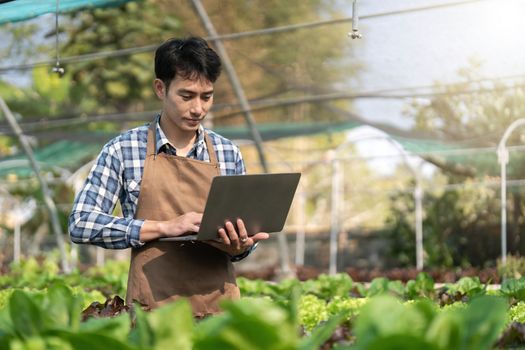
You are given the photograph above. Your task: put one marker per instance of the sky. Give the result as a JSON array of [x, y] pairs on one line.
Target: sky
[[420, 48]]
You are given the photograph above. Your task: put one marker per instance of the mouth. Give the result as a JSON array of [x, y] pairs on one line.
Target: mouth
[[193, 122]]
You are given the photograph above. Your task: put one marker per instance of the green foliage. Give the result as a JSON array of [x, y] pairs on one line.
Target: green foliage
[[248, 324], [381, 285], [422, 286], [10, 92], [280, 65], [454, 306], [321, 333], [324, 286], [171, 326], [256, 287], [514, 289], [279, 68], [460, 116], [46, 320], [112, 278], [419, 326], [281, 291], [374, 324], [461, 225], [48, 96], [30, 272], [469, 286], [96, 284], [50, 318], [312, 311], [513, 268], [484, 319], [153, 329], [116, 84], [516, 313], [348, 307], [16, 37], [50, 86], [327, 287]]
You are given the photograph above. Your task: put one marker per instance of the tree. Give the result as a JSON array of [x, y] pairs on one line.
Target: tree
[[280, 65], [289, 64], [462, 223], [474, 111], [117, 84]]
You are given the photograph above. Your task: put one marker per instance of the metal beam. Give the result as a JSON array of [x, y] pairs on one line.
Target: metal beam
[[503, 159], [245, 107], [48, 201]]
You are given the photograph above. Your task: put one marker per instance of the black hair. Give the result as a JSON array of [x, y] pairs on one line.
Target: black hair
[[190, 58]]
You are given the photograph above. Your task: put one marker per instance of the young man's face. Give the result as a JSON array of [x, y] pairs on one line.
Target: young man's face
[[186, 102]]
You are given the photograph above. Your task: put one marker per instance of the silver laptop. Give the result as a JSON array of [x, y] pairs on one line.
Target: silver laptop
[[262, 201]]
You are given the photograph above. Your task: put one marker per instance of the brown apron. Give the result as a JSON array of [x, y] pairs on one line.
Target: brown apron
[[161, 272]]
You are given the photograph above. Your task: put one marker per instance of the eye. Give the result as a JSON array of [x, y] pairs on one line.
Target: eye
[[206, 97], [186, 97]]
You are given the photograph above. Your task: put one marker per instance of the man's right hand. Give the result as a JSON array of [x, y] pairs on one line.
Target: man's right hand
[[152, 230]]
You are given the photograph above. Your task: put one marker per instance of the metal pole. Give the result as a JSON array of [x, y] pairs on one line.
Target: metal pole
[[503, 159], [336, 189], [299, 240], [234, 80], [16, 243], [100, 256], [73, 254], [250, 120], [418, 197], [48, 201]]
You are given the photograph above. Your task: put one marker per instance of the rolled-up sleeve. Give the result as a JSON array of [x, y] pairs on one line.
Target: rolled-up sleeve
[[91, 220]]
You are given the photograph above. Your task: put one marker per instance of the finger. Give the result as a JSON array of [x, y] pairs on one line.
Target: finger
[[196, 218], [241, 230], [223, 236], [232, 234], [260, 236]]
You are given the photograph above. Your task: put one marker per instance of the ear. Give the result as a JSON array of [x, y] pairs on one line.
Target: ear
[[160, 88]]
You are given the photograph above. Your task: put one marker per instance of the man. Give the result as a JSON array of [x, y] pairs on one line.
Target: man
[[161, 174]]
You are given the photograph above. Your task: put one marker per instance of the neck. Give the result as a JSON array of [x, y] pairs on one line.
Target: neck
[[180, 139]]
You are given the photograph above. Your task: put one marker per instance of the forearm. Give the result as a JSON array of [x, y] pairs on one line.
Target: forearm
[[151, 230], [103, 230], [185, 224]]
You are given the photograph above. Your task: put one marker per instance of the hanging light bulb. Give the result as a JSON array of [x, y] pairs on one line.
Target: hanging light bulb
[[58, 69], [355, 23]]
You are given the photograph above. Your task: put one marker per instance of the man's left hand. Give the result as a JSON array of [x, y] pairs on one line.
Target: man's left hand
[[235, 242]]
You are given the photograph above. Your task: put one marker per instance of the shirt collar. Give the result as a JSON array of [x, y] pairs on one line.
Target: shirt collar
[[162, 140]]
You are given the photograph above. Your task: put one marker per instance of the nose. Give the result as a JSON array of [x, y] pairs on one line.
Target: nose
[[197, 107]]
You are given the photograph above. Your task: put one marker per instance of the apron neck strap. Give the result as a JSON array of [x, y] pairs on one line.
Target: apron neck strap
[[152, 138], [211, 149]]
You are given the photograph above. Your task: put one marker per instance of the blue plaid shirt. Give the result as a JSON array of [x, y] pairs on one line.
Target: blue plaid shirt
[[116, 175]]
